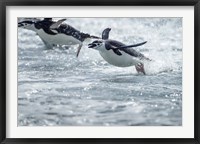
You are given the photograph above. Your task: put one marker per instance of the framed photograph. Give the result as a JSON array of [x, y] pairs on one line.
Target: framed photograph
[[86, 71]]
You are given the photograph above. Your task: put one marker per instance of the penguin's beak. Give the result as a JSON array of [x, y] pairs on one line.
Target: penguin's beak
[[20, 24], [91, 45]]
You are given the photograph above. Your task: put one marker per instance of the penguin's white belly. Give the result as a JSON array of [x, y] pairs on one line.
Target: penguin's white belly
[[60, 39], [124, 60]]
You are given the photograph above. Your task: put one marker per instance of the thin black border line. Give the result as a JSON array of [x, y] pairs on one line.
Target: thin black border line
[[100, 2], [3, 73], [196, 68], [3, 4]]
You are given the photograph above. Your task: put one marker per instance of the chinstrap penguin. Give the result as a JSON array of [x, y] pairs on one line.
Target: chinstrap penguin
[[119, 54], [56, 33]]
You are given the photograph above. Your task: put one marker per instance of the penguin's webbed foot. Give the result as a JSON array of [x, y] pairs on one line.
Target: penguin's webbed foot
[[78, 50], [140, 68]]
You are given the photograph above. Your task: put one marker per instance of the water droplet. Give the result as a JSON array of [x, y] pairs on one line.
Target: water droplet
[[173, 100]]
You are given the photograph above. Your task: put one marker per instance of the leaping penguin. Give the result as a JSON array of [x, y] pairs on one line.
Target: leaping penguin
[[56, 33], [119, 54]]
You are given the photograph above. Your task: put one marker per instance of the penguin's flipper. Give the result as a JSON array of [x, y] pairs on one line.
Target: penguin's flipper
[[130, 46], [105, 33], [57, 24]]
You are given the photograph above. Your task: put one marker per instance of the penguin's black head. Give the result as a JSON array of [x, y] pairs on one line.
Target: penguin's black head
[[95, 44], [27, 24]]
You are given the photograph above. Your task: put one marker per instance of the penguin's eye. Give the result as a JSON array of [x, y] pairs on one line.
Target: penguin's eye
[[98, 44]]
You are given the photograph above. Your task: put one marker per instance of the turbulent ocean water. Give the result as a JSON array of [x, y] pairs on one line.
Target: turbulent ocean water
[[57, 89]]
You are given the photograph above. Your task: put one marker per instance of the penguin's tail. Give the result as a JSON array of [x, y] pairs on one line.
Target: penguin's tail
[[94, 37], [86, 35]]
